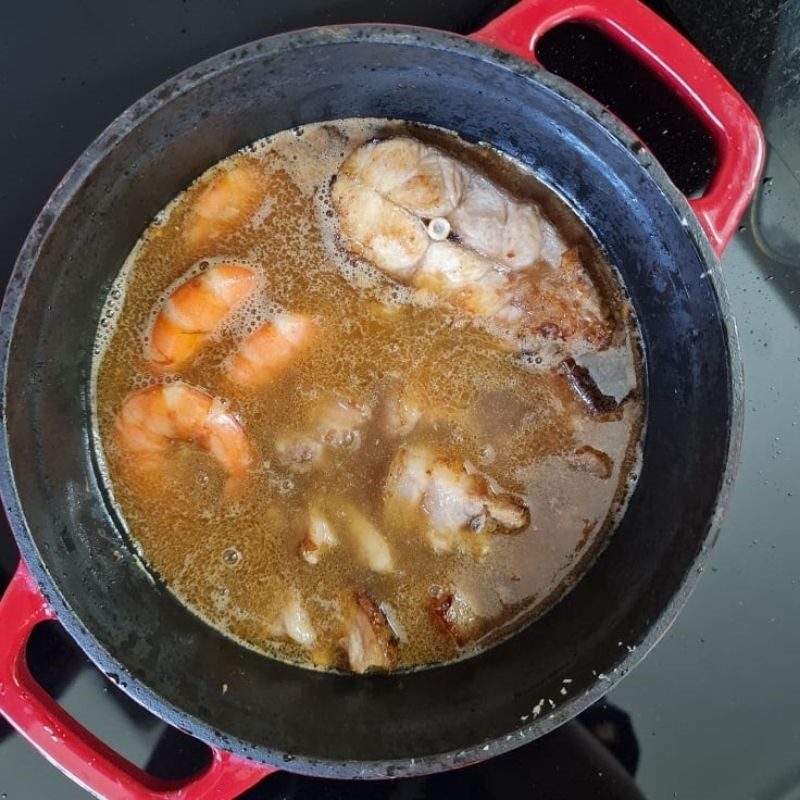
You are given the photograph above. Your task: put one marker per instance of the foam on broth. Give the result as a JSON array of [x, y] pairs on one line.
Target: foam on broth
[[235, 564]]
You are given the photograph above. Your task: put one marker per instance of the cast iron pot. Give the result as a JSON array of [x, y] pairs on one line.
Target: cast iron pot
[[76, 565]]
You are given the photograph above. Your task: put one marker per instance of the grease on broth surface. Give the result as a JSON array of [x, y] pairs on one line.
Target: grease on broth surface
[[290, 564]]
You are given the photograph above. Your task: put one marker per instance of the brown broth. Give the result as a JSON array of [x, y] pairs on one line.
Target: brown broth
[[515, 421]]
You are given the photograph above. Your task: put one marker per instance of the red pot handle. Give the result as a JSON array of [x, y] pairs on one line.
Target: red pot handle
[[68, 745], [645, 36]]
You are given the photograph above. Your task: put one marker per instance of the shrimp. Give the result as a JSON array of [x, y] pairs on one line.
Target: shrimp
[[194, 311], [430, 222], [368, 639], [152, 419], [454, 505], [265, 354], [224, 203]]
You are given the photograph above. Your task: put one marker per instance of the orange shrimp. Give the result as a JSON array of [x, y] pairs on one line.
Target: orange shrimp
[[151, 419], [225, 203], [267, 352], [194, 310]]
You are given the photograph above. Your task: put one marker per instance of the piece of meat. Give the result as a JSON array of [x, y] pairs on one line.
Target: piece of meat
[[455, 507], [368, 639], [586, 391], [563, 304], [293, 623], [378, 230], [453, 613], [338, 422], [500, 228], [402, 409], [299, 452], [405, 407], [435, 224], [320, 536], [592, 461], [412, 175], [371, 547], [335, 423], [466, 279], [332, 519]]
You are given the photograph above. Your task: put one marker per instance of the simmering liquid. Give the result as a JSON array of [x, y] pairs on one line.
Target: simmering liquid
[[329, 445]]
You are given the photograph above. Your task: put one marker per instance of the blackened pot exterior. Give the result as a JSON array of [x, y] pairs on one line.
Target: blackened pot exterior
[[365, 726]]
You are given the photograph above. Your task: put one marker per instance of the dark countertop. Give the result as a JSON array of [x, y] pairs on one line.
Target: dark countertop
[[715, 708]]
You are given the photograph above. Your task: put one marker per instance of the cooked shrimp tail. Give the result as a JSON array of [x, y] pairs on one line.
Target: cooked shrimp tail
[[193, 312], [151, 420], [224, 204], [267, 353]]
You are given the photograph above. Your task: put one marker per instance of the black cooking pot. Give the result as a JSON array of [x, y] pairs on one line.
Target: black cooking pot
[[255, 709]]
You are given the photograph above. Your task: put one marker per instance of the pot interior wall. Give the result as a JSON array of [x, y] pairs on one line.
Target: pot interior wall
[[324, 720]]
